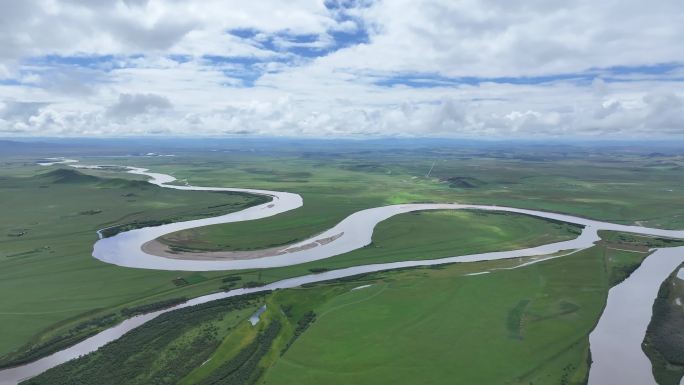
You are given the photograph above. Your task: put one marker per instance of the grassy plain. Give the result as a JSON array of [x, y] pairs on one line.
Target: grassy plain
[[425, 325], [431, 327], [430, 234], [51, 284], [49, 291], [47, 232], [623, 188]]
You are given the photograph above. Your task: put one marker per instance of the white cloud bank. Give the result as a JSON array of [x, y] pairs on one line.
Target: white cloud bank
[[485, 68]]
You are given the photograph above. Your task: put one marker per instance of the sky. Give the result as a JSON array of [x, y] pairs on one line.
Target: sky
[[304, 68]]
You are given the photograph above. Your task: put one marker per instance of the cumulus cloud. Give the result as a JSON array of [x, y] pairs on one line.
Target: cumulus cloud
[[606, 109], [10, 110], [137, 104], [502, 38], [665, 111], [134, 27], [472, 68]]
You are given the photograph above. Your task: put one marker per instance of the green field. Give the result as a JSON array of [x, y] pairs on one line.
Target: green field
[[60, 217], [527, 325], [613, 187], [431, 234], [53, 290], [423, 325], [48, 229]]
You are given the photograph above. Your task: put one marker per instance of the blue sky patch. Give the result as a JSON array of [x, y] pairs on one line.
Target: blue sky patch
[[612, 74]]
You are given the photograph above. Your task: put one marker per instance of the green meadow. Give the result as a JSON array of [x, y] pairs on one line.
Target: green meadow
[[53, 290], [436, 325], [433, 327], [51, 284], [49, 225], [623, 188]]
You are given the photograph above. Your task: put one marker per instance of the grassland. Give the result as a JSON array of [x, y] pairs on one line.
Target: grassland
[[424, 325], [430, 234], [526, 325], [47, 232], [52, 286], [621, 188]]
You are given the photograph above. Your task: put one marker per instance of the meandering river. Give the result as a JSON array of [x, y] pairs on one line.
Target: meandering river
[[617, 330], [353, 232]]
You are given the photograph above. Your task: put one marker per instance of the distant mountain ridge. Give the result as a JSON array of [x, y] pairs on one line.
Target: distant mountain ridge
[[20, 147]]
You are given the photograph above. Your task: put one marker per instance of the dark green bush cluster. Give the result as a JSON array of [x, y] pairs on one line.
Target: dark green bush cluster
[[150, 307], [112, 231], [666, 330], [229, 283], [244, 368], [515, 318], [620, 273], [160, 352], [307, 319]]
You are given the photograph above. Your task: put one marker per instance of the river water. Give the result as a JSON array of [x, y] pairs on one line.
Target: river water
[[616, 341], [353, 232]]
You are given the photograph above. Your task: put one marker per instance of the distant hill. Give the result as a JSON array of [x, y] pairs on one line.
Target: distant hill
[[63, 175], [463, 182], [73, 176]]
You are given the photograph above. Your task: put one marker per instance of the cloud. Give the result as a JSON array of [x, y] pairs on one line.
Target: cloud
[[137, 104], [491, 38], [654, 115], [665, 111], [606, 109], [19, 110], [135, 27], [472, 68], [161, 35]]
